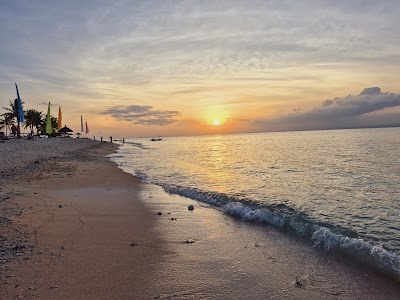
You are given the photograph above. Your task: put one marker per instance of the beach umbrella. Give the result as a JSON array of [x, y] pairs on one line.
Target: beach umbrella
[[65, 129], [81, 124], [49, 128], [59, 125]]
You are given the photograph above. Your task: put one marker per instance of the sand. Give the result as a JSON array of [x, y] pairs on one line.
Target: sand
[[74, 226]]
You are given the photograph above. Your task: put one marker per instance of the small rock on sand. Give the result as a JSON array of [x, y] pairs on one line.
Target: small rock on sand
[[298, 284], [190, 207], [54, 287]]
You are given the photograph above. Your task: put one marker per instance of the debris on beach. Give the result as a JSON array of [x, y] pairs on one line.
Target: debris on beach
[[298, 283], [54, 287], [60, 206], [173, 219], [159, 213], [133, 244], [190, 241], [190, 207]]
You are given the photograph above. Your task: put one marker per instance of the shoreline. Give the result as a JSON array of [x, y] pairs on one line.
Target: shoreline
[[107, 241]]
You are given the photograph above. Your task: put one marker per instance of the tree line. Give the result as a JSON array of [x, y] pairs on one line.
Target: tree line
[[34, 119]]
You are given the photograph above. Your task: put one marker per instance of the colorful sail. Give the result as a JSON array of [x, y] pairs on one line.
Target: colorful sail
[[49, 128], [87, 127], [59, 125], [81, 124], [20, 109]]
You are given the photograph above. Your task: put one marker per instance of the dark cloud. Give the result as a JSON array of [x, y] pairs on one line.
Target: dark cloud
[[371, 91], [369, 100], [145, 115], [341, 112]]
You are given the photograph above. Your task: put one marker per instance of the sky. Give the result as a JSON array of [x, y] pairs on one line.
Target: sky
[[166, 68]]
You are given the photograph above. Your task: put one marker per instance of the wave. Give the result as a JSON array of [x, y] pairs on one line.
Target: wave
[[139, 145], [326, 236]]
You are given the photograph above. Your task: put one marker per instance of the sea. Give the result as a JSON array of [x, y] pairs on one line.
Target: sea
[[338, 189]]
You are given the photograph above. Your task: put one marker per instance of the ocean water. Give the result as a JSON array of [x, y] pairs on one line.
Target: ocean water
[[339, 188]]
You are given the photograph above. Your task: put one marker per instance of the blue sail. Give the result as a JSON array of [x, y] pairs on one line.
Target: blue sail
[[20, 109]]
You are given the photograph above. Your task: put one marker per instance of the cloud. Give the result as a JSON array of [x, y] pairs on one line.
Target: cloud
[[371, 91], [47, 103], [96, 52], [144, 115], [369, 100], [341, 112]]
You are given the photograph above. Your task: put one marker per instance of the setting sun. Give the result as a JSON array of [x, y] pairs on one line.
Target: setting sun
[[216, 122]]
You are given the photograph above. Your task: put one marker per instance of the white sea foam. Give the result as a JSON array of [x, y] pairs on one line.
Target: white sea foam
[[320, 235], [259, 214], [383, 258]]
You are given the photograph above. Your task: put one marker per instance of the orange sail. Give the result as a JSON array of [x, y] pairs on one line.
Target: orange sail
[[49, 128], [59, 125]]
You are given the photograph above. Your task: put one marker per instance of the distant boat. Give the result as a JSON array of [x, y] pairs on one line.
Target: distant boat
[[156, 139]]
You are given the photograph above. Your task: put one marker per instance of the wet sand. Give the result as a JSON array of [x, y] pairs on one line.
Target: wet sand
[[77, 227]]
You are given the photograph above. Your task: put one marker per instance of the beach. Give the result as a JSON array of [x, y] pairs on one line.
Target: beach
[[75, 226]]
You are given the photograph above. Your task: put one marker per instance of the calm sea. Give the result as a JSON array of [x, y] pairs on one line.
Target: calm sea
[[338, 188]]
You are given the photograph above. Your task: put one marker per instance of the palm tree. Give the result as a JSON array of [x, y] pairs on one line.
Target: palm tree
[[42, 126], [33, 120], [38, 121], [54, 123], [13, 111], [6, 122]]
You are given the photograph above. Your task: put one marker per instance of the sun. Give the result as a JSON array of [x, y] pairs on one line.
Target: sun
[[216, 122]]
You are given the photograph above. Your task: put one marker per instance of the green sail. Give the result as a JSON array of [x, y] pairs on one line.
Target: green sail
[[49, 128]]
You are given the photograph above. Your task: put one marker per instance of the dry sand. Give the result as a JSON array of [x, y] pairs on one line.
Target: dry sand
[[74, 226]]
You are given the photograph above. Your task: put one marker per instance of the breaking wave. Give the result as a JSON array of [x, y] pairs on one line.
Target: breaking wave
[[326, 236]]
